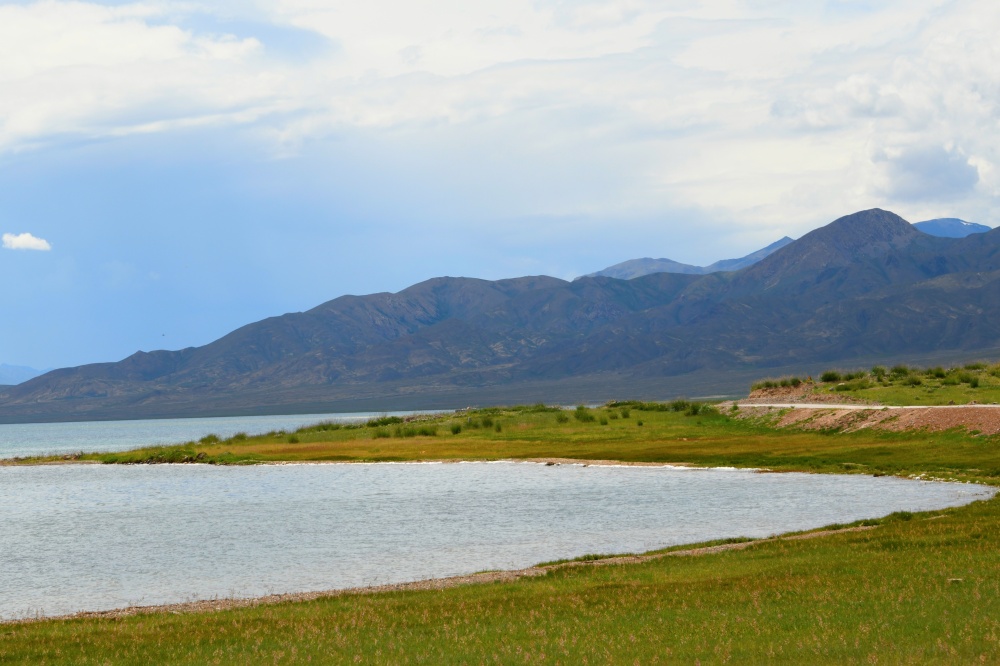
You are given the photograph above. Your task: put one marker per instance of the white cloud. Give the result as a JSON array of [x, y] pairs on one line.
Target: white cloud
[[25, 241], [757, 112]]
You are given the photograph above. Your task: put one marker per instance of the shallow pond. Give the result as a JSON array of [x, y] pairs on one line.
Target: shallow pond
[[91, 537]]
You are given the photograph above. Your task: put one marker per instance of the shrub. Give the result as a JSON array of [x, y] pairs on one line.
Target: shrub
[[974, 382], [239, 437], [693, 409], [613, 416], [383, 421], [913, 380], [679, 405], [965, 377], [879, 372], [209, 439], [456, 428], [898, 372], [498, 428], [975, 366], [292, 439], [626, 413], [603, 420], [561, 418], [583, 415], [830, 376], [487, 422], [639, 422], [322, 427], [382, 433]]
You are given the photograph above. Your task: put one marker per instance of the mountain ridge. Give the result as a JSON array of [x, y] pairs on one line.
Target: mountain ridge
[[867, 285]]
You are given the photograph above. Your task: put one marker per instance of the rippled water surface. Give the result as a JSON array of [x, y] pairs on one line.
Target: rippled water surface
[[36, 439], [78, 537]]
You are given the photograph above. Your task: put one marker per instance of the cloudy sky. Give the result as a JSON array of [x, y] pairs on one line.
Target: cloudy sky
[[170, 171]]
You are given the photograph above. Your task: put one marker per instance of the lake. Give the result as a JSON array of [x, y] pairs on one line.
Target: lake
[[37, 439], [93, 537]]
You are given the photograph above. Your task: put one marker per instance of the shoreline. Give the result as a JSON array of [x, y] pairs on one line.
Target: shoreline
[[481, 578], [8, 462]]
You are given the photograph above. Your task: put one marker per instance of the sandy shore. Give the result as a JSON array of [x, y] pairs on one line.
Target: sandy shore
[[214, 605]]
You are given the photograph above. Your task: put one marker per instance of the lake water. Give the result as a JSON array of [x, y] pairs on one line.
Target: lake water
[[79, 537], [35, 439]]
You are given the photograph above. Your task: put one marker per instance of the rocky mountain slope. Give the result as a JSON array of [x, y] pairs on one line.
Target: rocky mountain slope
[[868, 285]]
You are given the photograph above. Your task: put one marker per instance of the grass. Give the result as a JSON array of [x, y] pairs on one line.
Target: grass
[[918, 588], [679, 432], [904, 385]]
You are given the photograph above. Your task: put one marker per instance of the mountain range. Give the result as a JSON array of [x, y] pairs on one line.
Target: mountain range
[[15, 374], [634, 268], [945, 227], [866, 287]]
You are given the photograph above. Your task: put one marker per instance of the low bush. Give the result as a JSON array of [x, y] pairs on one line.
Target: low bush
[[830, 376], [561, 418], [456, 428], [583, 415], [898, 372], [383, 421]]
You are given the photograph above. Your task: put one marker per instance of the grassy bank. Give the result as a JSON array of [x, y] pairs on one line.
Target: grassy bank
[[633, 432], [903, 385], [917, 588]]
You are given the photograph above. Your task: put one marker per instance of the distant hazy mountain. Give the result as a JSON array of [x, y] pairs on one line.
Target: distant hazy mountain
[[634, 268], [951, 227], [15, 374], [866, 286]]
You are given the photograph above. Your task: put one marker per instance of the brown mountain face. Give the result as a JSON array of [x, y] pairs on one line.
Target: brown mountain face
[[867, 285]]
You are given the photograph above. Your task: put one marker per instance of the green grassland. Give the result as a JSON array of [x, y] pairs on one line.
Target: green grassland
[[904, 385], [915, 589], [679, 432]]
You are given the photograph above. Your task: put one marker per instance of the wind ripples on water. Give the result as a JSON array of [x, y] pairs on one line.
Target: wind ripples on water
[[98, 537]]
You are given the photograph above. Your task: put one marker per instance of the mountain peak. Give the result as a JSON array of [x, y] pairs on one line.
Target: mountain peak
[[874, 224], [951, 227]]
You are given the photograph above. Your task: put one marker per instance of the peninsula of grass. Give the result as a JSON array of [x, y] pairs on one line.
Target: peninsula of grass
[[680, 432], [914, 588]]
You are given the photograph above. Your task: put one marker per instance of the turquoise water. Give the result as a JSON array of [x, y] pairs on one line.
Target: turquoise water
[[34, 439], [92, 537]]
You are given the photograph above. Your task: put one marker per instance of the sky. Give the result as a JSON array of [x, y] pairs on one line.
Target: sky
[[170, 171]]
